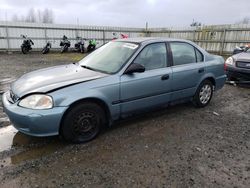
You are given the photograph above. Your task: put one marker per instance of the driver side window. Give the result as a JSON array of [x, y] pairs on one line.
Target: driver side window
[[153, 56]]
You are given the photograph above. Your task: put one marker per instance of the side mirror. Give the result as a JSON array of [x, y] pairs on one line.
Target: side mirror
[[134, 67]]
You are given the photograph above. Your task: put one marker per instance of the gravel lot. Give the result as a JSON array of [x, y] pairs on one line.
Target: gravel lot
[[179, 146]]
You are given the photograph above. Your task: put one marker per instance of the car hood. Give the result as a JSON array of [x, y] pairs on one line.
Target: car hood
[[244, 56], [45, 80]]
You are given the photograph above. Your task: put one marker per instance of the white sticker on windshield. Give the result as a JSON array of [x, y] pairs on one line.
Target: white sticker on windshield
[[130, 45]]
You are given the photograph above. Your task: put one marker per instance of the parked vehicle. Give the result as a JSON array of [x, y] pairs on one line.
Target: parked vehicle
[[26, 45], [46, 48], [65, 44], [238, 67], [120, 78], [241, 49], [79, 46], [115, 36], [124, 36], [92, 45]]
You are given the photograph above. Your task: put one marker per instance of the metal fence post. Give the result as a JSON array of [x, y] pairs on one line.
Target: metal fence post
[[46, 37], [7, 38], [103, 36], [223, 38], [194, 35]]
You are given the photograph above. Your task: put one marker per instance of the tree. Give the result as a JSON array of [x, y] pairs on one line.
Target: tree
[[195, 23], [31, 16], [245, 20], [38, 16], [48, 16], [15, 18]]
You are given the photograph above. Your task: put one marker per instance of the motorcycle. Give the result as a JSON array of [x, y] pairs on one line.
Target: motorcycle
[[26, 45], [79, 46], [46, 48], [92, 45], [65, 44], [241, 49]]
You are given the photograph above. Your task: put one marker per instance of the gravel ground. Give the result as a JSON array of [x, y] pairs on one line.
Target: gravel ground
[[179, 146]]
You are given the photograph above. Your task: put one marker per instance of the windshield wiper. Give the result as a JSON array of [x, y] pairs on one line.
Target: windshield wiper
[[87, 67], [90, 68]]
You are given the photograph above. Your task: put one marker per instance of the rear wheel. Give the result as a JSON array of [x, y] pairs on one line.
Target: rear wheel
[[83, 122], [45, 50], [81, 48], [203, 94], [64, 48]]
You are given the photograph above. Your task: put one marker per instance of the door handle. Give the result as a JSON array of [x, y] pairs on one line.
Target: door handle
[[201, 70], [165, 77]]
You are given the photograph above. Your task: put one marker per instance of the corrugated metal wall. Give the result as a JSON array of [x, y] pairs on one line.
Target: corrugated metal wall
[[219, 39], [10, 34]]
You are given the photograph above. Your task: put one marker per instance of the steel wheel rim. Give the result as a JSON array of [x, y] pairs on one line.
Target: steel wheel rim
[[85, 125], [205, 94]]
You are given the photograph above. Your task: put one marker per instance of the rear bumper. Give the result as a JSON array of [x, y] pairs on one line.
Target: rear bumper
[[238, 73], [34, 122], [220, 82]]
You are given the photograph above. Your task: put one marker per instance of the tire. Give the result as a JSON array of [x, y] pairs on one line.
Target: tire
[[64, 48], [45, 50], [88, 49], [203, 94], [82, 122], [232, 78], [81, 48], [25, 50]]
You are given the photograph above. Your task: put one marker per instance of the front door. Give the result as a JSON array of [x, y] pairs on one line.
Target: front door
[[150, 88]]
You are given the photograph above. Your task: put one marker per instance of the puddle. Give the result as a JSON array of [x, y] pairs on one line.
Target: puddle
[[4, 119], [5, 84], [31, 147], [6, 137], [7, 80]]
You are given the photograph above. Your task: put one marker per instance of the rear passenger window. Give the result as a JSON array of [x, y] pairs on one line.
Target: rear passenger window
[[183, 53]]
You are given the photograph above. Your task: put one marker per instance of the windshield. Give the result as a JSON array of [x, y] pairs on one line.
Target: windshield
[[110, 57]]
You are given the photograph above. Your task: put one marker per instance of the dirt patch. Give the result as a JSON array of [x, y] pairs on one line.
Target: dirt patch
[[180, 146]]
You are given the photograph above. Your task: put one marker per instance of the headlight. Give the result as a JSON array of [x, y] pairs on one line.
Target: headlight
[[37, 101], [230, 61]]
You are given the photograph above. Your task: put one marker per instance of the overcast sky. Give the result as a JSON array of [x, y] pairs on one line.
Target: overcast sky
[[134, 13]]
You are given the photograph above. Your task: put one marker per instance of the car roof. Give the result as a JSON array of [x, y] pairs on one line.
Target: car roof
[[150, 39]]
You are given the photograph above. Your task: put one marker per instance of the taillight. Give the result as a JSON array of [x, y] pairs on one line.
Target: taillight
[[225, 66]]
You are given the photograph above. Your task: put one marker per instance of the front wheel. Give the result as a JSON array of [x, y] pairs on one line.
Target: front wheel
[[82, 123], [24, 50], [203, 94]]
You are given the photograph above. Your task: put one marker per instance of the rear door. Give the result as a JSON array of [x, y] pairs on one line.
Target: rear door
[[150, 88], [188, 68]]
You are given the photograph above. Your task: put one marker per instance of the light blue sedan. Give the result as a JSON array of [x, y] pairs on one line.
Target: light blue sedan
[[121, 78]]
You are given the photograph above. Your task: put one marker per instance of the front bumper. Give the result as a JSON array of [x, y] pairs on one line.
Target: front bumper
[[34, 122], [238, 73]]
